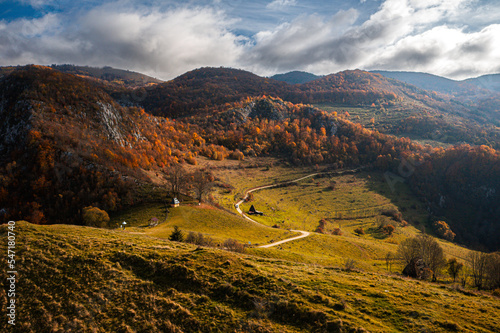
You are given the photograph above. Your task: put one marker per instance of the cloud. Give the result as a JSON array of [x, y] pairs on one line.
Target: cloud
[[165, 39], [291, 45], [400, 35], [278, 4], [161, 43]]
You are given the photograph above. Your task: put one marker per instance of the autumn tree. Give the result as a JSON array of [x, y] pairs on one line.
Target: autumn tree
[[423, 247], [95, 217], [454, 268], [202, 182], [177, 179], [443, 230], [477, 261]]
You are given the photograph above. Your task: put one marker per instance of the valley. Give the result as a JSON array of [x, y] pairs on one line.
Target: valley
[[346, 169]]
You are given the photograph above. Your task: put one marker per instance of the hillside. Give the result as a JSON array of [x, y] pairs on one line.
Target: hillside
[[206, 89], [441, 84], [110, 281], [387, 105], [109, 75], [425, 81], [68, 144], [295, 77]]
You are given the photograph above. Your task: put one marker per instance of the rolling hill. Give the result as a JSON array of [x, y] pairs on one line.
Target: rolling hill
[[295, 77], [100, 280], [68, 144]]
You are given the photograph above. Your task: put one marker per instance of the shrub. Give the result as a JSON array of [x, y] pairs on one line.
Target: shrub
[[199, 239], [337, 232], [321, 227], [388, 229], [249, 197], [359, 231], [381, 221], [349, 264], [443, 230], [233, 245], [95, 217], [393, 213]]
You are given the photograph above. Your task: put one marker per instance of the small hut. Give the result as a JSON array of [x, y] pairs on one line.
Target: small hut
[[253, 211], [175, 202]]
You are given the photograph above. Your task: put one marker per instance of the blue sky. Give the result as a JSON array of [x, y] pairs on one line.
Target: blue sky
[[453, 38]]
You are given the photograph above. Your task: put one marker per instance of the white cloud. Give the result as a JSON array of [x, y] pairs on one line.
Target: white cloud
[[424, 35], [278, 4], [401, 35], [164, 44]]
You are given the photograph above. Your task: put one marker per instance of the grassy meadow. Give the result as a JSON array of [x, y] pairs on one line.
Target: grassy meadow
[[82, 279]]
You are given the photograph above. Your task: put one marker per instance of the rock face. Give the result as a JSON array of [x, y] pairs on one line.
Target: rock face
[[417, 269]]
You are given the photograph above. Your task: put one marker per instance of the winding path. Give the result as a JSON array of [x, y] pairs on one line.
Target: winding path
[[303, 233]]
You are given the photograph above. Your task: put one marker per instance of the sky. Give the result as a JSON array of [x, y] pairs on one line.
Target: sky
[[457, 39]]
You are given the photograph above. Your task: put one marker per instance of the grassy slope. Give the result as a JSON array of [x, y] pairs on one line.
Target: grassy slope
[[359, 198], [215, 223], [79, 279]]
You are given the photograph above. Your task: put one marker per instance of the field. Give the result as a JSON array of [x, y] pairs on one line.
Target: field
[[347, 202], [321, 283], [211, 222], [85, 279]]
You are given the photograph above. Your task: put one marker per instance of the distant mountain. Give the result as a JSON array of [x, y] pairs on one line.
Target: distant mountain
[[424, 81], [205, 89], [295, 77], [490, 82], [117, 77], [441, 84]]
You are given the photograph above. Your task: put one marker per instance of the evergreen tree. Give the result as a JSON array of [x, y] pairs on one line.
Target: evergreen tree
[[177, 235]]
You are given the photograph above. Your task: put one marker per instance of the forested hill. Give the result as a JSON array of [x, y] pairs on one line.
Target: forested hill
[[388, 105], [295, 77], [206, 88], [67, 143]]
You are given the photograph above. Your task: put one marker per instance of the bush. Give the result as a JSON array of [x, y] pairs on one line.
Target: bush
[[443, 230], [249, 197], [321, 227], [95, 217], [388, 229], [393, 213], [233, 245], [337, 232], [199, 239], [359, 231], [349, 264]]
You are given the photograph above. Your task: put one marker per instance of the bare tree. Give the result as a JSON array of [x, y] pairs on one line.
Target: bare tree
[[408, 250], [426, 248], [454, 268], [177, 179], [493, 270], [203, 181], [477, 261], [389, 257]]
